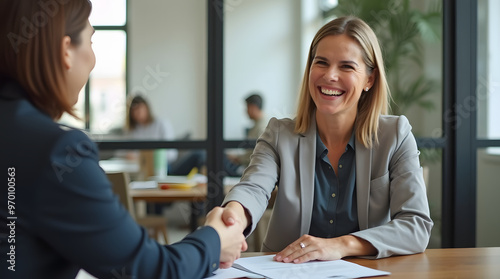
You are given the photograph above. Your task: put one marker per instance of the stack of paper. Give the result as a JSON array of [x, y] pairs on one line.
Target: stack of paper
[[266, 267]]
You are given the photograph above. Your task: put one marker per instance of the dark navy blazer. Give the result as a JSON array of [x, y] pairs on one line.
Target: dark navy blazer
[[64, 215]]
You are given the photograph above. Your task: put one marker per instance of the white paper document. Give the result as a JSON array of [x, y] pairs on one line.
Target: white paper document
[[143, 185], [266, 267]]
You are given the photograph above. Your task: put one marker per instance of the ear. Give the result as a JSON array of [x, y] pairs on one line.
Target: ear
[[371, 78], [67, 52]]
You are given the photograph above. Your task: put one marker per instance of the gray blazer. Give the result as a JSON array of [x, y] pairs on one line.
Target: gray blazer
[[393, 211]]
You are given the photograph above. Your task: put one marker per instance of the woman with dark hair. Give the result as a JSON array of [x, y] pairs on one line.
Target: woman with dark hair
[[348, 175], [60, 212], [142, 125]]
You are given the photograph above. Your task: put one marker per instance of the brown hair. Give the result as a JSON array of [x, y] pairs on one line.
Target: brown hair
[[31, 47], [372, 103], [136, 100]]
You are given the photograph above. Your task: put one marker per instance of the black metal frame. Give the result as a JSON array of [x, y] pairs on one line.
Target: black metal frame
[[459, 143]]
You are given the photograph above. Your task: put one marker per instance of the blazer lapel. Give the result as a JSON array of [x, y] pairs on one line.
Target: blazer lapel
[[307, 151], [363, 174]]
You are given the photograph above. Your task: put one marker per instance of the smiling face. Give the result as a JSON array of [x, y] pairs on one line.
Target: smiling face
[[338, 76]]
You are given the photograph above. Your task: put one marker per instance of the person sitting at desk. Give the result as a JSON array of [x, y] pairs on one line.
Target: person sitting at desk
[[348, 176], [62, 215], [141, 125]]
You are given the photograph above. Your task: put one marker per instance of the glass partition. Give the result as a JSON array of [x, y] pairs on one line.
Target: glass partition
[[431, 161], [107, 83], [262, 55], [167, 63], [488, 191], [488, 82]]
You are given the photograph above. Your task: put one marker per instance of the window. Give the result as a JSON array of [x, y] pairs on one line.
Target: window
[[488, 83], [101, 104]]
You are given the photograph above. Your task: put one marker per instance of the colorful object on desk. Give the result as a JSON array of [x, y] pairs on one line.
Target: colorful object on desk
[[177, 186], [192, 173], [178, 182]]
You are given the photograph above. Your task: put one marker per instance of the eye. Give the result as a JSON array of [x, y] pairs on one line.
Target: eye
[[321, 62], [347, 66]]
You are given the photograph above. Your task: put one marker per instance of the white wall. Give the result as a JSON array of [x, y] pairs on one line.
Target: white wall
[[262, 40], [167, 60]]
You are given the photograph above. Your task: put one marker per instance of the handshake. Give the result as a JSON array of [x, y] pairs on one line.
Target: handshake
[[229, 222]]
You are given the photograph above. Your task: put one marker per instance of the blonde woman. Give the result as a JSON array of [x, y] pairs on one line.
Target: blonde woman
[[348, 176]]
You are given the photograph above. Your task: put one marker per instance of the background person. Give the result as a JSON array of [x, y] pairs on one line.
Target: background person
[[67, 215], [255, 104], [349, 178], [236, 164], [142, 125]]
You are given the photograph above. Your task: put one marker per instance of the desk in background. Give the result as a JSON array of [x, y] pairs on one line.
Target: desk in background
[[196, 195]]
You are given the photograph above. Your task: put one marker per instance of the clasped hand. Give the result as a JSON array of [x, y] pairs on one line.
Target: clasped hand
[[231, 236]]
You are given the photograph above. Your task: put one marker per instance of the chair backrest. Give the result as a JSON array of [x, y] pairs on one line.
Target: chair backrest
[[120, 181], [146, 163]]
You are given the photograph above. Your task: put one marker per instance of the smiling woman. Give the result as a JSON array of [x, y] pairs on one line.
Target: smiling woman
[[348, 176]]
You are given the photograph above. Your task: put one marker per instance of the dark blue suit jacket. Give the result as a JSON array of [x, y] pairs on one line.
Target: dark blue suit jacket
[[64, 215]]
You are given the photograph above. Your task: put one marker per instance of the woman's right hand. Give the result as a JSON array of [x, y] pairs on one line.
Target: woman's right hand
[[231, 236], [234, 212]]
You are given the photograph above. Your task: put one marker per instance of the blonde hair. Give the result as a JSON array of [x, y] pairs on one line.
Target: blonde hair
[[371, 104]]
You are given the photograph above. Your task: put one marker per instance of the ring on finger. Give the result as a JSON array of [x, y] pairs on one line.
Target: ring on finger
[[302, 245]]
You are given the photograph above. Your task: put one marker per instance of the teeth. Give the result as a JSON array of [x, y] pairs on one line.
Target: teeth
[[331, 92]]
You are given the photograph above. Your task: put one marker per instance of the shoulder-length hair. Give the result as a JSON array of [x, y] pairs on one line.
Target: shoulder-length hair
[[31, 48], [136, 100], [372, 103]]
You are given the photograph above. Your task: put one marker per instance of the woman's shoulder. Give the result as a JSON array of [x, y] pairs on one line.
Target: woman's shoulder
[[393, 128], [394, 121], [282, 124]]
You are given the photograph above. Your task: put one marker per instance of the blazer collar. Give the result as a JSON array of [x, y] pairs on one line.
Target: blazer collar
[[307, 158], [363, 174]]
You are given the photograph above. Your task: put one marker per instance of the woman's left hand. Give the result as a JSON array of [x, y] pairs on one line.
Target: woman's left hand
[[309, 248]]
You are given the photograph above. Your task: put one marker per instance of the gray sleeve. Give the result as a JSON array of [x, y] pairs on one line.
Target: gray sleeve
[[259, 179]]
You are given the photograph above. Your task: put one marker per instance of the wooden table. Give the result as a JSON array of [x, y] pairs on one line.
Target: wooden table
[[478, 263], [196, 195]]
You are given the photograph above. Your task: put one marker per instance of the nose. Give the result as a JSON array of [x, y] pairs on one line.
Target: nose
[[331, 74]]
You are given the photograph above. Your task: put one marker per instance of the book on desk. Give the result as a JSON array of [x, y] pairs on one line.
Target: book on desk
[[178, 182], [165, 183]]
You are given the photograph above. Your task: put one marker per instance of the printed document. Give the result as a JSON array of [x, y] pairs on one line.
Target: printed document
[[266, 267]]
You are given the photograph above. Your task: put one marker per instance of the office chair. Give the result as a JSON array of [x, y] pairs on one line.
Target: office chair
[[155, 225]]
